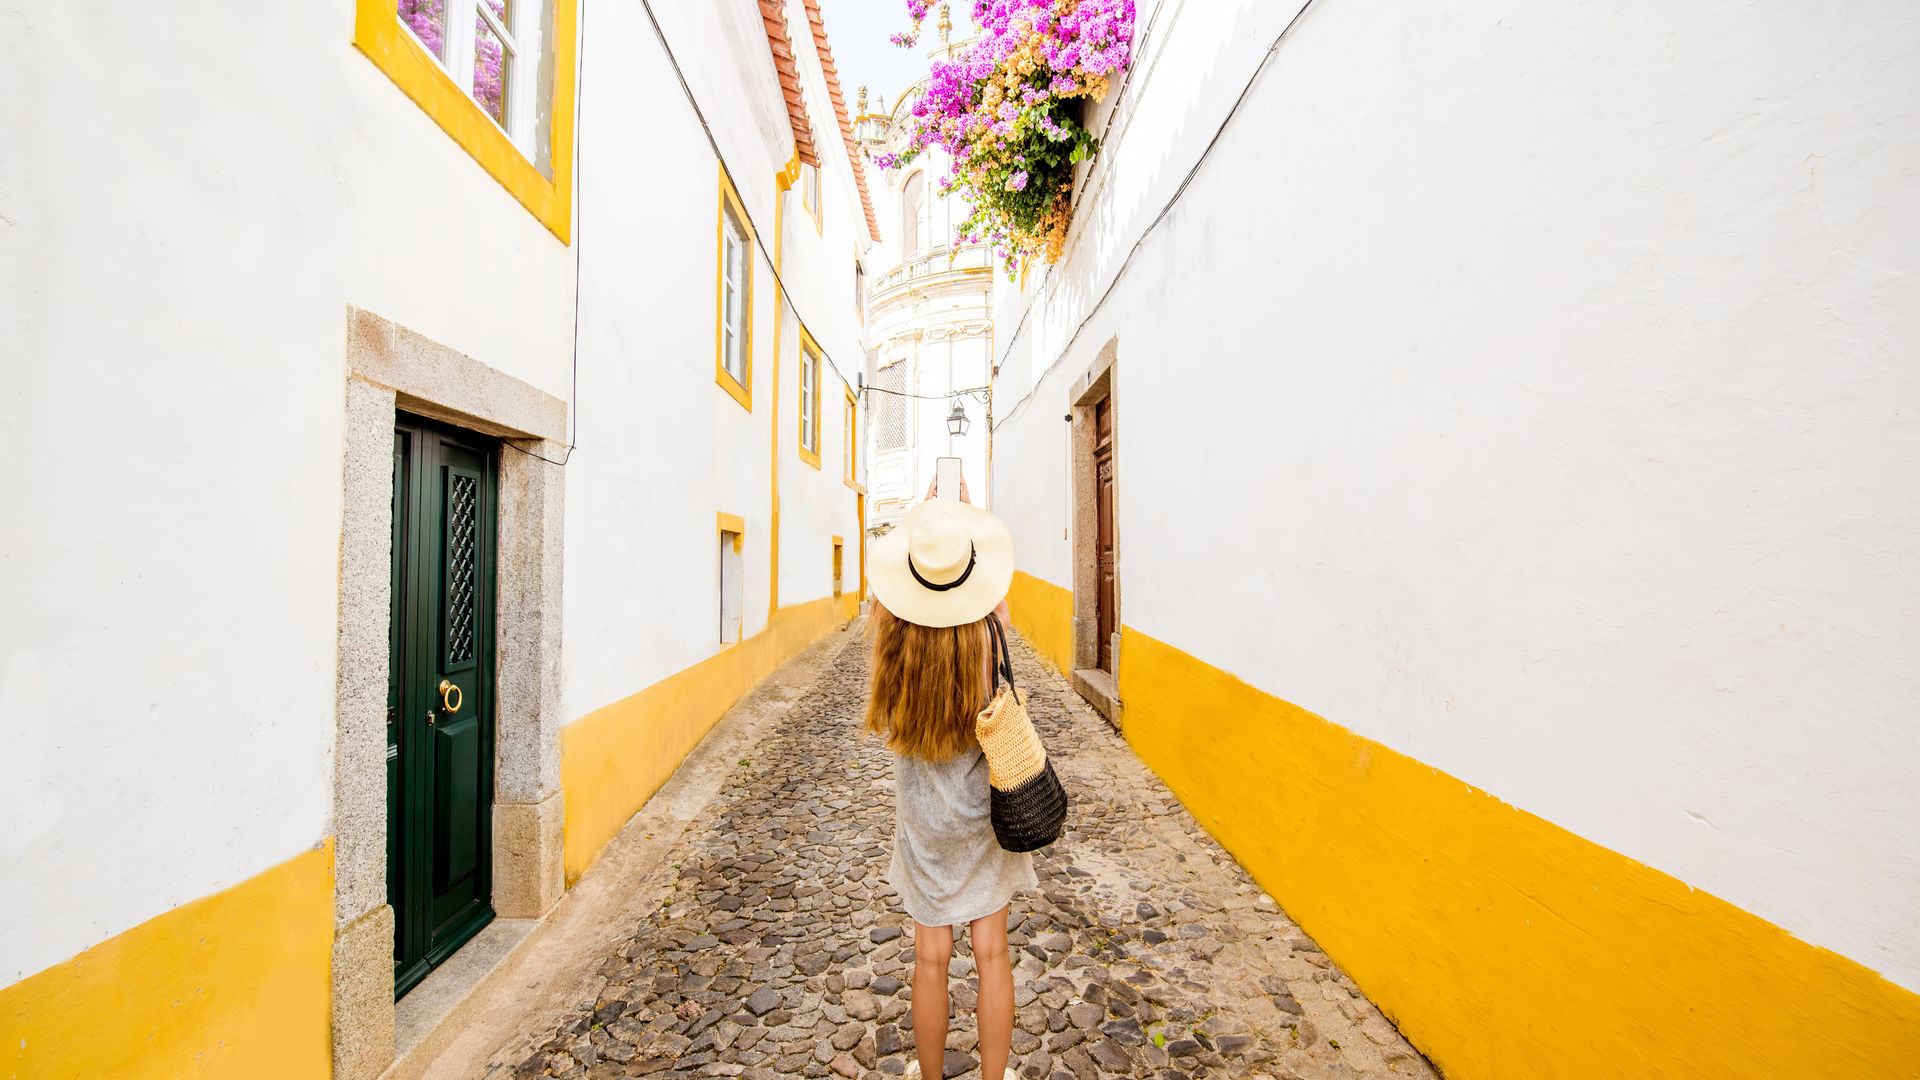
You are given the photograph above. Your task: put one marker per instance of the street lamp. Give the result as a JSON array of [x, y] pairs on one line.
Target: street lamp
[[957, 419]]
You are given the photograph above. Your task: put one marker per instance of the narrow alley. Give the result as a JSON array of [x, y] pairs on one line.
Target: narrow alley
[[1451, 468], [781, 951]]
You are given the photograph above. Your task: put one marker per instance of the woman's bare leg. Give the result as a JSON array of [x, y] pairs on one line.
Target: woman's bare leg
[[932, 952], [995, 968]]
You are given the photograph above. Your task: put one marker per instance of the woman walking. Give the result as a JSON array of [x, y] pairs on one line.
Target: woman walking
[[937, 579]]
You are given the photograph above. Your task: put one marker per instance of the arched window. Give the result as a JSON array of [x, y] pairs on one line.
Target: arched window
[[911, 202]]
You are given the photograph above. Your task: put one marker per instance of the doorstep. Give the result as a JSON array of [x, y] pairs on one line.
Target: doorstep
[[1101, 692], [432, 1013]]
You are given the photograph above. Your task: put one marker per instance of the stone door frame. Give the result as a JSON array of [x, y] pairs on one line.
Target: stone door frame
[[1097, 383], [390, 369]]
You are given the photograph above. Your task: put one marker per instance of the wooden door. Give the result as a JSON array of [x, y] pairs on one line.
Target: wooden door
[[440, 718], [1103, 531]]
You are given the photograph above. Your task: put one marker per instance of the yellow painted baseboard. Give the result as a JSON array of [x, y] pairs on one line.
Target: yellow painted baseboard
[[1505, 947], [613, 759], [1043, 613], [237, 984]]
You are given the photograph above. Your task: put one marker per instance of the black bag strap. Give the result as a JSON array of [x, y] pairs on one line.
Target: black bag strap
[[1002, 656]]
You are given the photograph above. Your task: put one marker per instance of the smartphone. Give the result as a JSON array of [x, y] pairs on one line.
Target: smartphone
[[946, 478]]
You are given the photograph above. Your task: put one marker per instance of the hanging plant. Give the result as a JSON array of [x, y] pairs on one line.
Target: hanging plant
[[1003, 109]]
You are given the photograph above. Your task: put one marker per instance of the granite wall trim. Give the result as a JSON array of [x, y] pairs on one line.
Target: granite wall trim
[[391, 369]]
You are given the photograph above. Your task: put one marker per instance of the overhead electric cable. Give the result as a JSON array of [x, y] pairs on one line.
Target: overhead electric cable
[[982, 390]]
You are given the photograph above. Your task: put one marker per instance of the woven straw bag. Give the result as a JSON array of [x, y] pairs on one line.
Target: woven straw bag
[[1029, 805]]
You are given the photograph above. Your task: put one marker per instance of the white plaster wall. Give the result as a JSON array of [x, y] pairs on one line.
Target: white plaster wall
[[662, 447], [1528, 389], [816, 504], [187, 208]]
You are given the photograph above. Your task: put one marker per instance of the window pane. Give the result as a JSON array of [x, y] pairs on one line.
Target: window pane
[[730, 280], [910, 209], [735, 284], [732, 577], [492, 67], [736, 264], [808, 366], [428, 21]]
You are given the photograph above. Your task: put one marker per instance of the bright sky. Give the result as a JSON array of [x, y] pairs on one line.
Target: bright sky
[[858, 31]]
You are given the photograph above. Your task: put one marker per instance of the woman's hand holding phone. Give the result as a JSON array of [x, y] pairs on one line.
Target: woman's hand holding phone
[[933, 490]]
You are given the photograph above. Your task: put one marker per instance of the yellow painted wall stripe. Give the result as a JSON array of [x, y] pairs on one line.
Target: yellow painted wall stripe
[[782, 181], [1044, 613], [236, 984], [1503, 945], [613, 759]]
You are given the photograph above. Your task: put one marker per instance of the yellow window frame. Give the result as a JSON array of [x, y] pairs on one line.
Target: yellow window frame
[[378, 33], [736, 526], [809, 348], [817, 208], [742, 391]]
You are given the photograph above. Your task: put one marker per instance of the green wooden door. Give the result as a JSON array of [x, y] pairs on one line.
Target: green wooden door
[[440, 715]]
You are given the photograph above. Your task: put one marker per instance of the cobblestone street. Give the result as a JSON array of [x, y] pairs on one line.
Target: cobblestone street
[[781, 950]]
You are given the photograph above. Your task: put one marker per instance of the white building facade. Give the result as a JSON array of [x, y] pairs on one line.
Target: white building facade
[[1486, 497], [930, 320], [471, 414]]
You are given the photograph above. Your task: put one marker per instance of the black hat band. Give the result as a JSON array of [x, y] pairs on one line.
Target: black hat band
[[972, 553]]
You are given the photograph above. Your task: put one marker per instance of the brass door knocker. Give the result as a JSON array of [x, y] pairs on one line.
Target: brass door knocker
[[449, 696]]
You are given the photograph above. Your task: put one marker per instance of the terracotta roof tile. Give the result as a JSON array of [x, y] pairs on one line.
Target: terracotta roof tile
[[781, 45]]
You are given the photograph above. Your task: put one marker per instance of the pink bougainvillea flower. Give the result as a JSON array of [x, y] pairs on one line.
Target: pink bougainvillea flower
[[428, 21], [1000, 107]]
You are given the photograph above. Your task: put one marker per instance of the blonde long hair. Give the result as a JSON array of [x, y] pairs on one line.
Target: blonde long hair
[[929, 685]]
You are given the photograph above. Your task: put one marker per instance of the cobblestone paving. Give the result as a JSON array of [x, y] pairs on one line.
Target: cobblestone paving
[[782, 951]]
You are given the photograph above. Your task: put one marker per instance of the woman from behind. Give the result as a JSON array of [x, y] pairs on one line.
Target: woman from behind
[[937, 580]]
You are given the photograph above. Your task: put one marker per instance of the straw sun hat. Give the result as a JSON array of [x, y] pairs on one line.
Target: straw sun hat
[[945, 564]]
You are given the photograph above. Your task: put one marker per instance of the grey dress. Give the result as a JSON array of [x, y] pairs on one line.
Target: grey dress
[[947, 866]]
